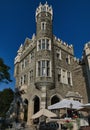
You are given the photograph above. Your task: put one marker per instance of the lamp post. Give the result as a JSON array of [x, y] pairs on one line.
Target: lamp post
[[71, 105]]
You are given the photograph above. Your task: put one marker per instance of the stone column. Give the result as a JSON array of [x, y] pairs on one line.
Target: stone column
[[30, 113], [43, 97]]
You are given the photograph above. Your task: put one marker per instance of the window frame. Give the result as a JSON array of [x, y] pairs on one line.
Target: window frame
[[44, 44], [44, 68], [43, 26]]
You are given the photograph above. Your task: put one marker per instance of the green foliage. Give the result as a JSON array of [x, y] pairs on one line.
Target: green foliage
[[6, 97], [78, 123], [69, 125], [4, 72]]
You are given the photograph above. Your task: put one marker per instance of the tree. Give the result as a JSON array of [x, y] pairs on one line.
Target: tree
[[6, 97], [4, 72]]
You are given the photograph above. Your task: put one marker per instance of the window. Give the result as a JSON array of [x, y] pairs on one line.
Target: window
[[21, 81], [24, 79], [59, 75], [68, 59], [44, 44], [43, 26], [22, 65], [31, 56], [64, 76], [47, 44], [31, 75], [69, 78], [39, 66], [58, 54], [44, 68], [26, 61]]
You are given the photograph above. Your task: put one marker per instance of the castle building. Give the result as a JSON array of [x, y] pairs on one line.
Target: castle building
[[46, 70]]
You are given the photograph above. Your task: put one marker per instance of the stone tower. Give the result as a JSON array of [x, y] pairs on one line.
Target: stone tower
[[44, 51], [46, 70]]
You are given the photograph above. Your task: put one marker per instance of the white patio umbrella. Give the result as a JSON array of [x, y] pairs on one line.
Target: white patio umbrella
[[66, 103], [85, 107], [44, 112]]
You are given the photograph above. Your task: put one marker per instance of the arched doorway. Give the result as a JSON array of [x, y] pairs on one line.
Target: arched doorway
[[55, 99], [25, 109], [36, 108], [36, 104]]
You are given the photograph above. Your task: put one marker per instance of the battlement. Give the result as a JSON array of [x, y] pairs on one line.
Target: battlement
[[64, 45], [44, 8]]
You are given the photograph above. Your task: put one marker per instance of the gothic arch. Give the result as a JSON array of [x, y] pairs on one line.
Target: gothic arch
[[36, 103], [32, 98], [55, 98]]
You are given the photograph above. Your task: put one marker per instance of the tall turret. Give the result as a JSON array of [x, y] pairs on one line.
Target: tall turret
[[44, 16], [44, 50]]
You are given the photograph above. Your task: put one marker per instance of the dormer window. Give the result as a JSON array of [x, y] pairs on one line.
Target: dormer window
[[43, 26]]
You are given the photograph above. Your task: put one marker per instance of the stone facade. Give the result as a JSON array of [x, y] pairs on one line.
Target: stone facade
[[47, 71]]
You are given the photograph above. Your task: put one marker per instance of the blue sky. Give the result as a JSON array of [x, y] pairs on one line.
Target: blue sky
[[71, 23]]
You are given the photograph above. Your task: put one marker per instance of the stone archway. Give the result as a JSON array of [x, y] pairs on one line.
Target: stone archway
[[36, 107], [55, 99]]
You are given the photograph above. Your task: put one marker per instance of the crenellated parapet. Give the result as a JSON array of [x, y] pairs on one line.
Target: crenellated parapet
[[44, 8], [64, 45]]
